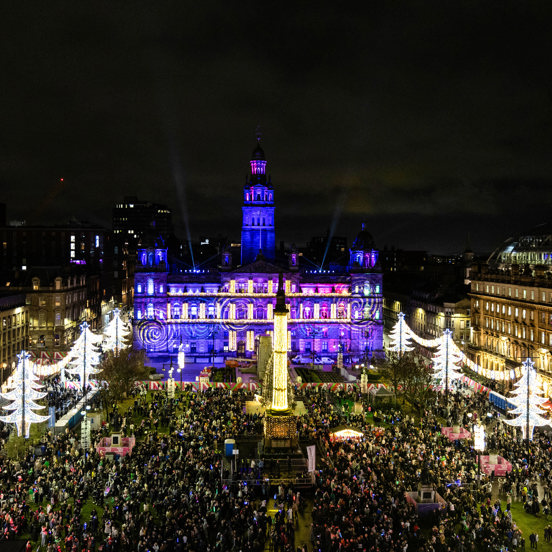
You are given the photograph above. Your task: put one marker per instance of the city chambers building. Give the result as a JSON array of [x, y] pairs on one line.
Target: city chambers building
[[222, 310], [511, 306]]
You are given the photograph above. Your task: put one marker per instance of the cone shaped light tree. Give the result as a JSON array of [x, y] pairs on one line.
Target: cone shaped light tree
[[527, 397], [23, 394], [116, 333], [446, 361], [85, 355], [400, 336]]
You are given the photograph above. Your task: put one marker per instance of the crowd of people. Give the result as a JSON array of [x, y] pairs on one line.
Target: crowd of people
[[177, 491], [173, 493], [360, 491]]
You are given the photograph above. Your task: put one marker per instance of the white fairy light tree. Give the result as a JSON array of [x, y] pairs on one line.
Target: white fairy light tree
[[527, 398], [400, 336], [85, 355], [446, 361], [116, 333], [23, 394]]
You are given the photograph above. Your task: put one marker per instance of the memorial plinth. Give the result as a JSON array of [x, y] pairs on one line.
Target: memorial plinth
[[425, 500], [280, 430]]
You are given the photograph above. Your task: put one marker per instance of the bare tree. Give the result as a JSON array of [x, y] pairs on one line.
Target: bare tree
[[395, 369], [417, 383], [120, 374]]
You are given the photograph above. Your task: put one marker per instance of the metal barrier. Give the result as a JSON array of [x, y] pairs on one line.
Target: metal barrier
[[305, 480]]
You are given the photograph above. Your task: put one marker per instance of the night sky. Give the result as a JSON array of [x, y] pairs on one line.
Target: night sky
[[429, 120]]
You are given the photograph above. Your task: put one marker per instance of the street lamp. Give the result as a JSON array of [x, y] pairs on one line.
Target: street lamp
[[85, 428], [181, 360], [170, 382], [479, 445]]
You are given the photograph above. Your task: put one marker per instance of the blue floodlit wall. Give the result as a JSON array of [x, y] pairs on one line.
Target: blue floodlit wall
[[225, 312]]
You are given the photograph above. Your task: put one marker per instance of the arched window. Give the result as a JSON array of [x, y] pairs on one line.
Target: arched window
[[176, 311], [259, 313], [138, 288], [150, 286], [193, 311], [160, 288], [150, 313]]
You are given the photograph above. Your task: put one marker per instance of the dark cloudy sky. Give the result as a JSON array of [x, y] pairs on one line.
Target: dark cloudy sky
[[427, 119]]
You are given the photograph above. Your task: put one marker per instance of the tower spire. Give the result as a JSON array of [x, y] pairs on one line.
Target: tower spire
[[258, 209]]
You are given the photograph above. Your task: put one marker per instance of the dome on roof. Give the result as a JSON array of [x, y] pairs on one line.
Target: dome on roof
[[258, 153], [533, 247], [364, 240]]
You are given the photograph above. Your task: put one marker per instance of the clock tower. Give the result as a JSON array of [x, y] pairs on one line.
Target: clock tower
[[257, 234]]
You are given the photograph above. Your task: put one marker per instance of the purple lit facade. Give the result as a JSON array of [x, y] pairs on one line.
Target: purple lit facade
[[222, 311]]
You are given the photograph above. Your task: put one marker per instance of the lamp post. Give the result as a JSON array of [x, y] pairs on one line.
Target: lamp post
[[447, 332], [85, 428], [213, 335], [530, 365], [181, 360], [170, 382], [479, 446]]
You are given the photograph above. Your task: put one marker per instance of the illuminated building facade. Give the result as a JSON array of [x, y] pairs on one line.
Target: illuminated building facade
[[14, 331], [511, 305], [223, 310], [58, 300], [431, 291]]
